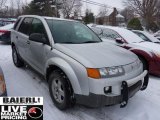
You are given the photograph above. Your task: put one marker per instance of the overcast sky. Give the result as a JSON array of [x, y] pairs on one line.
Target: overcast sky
[[112, 3]]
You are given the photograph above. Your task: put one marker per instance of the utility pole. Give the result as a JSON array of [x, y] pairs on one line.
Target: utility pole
[[56, 8]]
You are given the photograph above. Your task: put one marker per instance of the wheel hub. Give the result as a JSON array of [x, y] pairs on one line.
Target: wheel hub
[[15, 56], [57, 90]]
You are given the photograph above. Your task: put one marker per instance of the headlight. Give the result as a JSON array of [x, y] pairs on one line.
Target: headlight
[[105, 72]]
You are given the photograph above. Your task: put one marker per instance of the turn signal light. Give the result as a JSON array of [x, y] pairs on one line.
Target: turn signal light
[[93, 73]]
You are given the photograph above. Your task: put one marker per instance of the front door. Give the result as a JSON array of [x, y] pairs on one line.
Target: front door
[[38, 51]]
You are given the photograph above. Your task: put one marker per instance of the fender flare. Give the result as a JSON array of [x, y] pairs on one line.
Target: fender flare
[[67, 69]]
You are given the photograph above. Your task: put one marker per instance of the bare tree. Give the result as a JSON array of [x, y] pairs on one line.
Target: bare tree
[[3, 7], [77, 8], [127, 13], [11, 11], [68, 7], [2, 4], [19, 7], [158, 14], [145, 8], [103, 12]]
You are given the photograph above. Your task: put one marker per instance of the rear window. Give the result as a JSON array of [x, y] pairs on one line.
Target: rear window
[[25, 26]]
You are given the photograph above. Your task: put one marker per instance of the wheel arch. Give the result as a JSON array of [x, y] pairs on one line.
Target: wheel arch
[[58, 63], [144, 55]]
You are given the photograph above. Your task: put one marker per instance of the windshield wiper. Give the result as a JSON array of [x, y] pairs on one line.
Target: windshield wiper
[[91, 42], [142, 41], [68, 43]]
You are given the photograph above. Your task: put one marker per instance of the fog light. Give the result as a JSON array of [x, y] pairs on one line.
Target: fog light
[[107, 90]]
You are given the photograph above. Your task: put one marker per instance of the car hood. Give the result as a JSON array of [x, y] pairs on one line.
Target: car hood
[[152, 47], [97, 55]]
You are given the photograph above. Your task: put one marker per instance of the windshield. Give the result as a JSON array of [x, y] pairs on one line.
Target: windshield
[[71, 32], [129, 36], [151, 37], [98, 31]]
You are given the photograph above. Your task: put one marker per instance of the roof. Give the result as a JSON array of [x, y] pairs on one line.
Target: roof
[[46, 17], [109, 12], [119, 16]]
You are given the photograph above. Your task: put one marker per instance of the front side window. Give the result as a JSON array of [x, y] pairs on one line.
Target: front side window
[[37, 27], [71, 32], [25, 26]]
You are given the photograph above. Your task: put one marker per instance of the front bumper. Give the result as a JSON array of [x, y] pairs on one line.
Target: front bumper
[[127, 91]]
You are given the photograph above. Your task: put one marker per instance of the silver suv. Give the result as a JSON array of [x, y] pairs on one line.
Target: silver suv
[[78, 66]]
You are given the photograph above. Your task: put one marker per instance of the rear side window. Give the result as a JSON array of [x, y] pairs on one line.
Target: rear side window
[[25, 26], [16, 24]]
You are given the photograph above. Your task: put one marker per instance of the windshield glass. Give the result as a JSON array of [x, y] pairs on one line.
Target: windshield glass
[[71, 32], [151, 37], [98, 31], [129, 36]]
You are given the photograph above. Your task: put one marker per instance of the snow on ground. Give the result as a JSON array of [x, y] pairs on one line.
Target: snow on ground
[[25, 82]]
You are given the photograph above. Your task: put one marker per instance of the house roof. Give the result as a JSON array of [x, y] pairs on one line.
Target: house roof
[[119, 16], [109, 12]]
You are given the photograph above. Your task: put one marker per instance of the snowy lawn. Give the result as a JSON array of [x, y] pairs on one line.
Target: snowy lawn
[[25, 82]]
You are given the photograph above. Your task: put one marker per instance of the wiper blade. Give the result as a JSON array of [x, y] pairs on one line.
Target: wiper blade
[[142, 41], [67, 43], [91, 42]]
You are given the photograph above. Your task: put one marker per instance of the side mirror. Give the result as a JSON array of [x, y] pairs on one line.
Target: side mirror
[[37, 37], [119, 40]]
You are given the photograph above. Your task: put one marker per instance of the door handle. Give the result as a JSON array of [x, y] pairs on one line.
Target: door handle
[[28, 42]]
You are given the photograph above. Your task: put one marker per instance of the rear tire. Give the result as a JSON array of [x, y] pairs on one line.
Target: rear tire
[[16, 58], [146, 78], [60, 90]]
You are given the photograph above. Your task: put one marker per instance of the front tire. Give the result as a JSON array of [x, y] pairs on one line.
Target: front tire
[[60, 90], [16, 59]]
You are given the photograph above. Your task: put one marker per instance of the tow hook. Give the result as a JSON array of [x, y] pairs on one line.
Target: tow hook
[[124, 94]]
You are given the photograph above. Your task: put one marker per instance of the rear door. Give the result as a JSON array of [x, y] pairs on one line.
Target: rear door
[[22, 37]]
